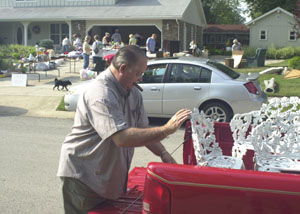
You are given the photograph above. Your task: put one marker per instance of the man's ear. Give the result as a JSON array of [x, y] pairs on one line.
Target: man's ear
[[123, 68]]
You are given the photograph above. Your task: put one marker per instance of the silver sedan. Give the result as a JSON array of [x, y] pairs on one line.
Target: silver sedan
[[188, 82]]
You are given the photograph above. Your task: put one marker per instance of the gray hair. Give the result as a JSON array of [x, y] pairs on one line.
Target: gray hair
[[128, 55]]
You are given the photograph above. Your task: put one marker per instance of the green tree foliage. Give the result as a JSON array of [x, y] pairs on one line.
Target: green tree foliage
[[297, 19], [258, 7], [223, 11]]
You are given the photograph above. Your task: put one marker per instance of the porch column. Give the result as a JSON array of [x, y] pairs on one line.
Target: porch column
[[70, 31], [25, 24]]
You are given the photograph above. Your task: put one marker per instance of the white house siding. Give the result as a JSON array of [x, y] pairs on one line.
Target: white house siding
[[277, 26], [192, 16]]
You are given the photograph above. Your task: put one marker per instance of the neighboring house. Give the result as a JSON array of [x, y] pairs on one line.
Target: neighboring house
[[274, 27], [29, 21], [216, 36]]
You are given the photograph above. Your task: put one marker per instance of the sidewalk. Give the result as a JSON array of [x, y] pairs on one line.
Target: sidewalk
[[38, 99]]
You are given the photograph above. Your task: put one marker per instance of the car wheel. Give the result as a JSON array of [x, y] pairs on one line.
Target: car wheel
[[217, 111]]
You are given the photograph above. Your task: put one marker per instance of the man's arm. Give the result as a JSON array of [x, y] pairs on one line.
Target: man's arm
[[135, 137], [159, 150]]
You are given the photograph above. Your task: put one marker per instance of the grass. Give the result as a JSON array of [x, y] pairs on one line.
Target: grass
[[61, 106], [284, 87]]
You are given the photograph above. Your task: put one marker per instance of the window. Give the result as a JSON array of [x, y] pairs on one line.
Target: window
[[154, 73], [58, 32], [292, 36], [263, 35], [184, 73], [233, 74]]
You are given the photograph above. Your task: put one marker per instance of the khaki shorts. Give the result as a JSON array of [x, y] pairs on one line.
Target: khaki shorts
[[78, 197]]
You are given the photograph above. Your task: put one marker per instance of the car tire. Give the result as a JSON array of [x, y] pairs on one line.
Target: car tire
[[219, 112]]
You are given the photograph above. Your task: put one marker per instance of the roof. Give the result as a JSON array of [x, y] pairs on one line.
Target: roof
[[277, 9], [124, 9], [226, 28]]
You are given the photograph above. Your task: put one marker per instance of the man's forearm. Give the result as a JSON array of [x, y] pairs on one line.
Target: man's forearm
[[134, 137], [156, 148]]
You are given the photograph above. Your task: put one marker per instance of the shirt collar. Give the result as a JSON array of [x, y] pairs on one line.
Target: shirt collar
[[124, 92]]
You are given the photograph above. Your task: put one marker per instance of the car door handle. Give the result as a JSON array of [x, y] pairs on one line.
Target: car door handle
[[197, 88], [155, 89]]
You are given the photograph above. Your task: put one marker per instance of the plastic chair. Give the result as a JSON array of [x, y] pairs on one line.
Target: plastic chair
[[259, 59]]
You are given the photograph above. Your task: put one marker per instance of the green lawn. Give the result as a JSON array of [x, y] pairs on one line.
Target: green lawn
[[61, 106], [284, 87]]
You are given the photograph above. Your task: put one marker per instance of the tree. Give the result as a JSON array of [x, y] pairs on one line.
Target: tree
[[223, 11], [296, 13], [258, 7]]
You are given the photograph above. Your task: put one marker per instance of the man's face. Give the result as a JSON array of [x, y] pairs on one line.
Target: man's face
[[134, 74]]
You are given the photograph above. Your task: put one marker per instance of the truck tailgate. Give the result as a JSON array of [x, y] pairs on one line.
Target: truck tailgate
[[132, 202]]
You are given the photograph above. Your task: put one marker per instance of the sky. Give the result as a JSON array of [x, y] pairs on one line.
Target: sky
[[244, 6]]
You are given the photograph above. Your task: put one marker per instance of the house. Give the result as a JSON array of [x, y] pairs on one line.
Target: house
[[216, 36], [28, 21], [274, 27]]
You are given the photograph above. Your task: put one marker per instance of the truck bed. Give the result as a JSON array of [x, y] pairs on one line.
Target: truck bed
[[132, 202], [175, 188]]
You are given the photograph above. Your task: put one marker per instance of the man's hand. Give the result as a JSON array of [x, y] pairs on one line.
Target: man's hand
[[167, 158], [176, 121]]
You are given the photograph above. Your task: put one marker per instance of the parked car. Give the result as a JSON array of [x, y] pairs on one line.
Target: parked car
[[188, 82]]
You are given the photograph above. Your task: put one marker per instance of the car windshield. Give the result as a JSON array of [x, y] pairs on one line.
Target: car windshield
[[233, 74]]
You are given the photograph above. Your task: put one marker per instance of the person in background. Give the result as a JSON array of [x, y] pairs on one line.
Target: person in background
[[65, 45], [132, 40], [77, 42], [116, 37], [110, 121], [106, 39], [86, 52], [138, 38], [97, 50], [236, 45], [150, 44]]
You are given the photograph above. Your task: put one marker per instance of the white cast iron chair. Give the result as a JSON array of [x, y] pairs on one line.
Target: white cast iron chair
[[241, 124], [207, 150], [276, 143]]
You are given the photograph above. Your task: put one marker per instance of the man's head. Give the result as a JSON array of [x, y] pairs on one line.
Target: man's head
[[235, 41], [129, 65], [153, 36], [96, 37]]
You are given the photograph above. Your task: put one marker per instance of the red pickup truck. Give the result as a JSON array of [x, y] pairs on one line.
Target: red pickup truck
[[186, 189]]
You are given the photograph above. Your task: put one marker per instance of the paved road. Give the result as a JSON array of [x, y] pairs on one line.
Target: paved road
[[29, 153]]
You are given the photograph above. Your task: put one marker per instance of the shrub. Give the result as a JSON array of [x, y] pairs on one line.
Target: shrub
[[46, 43], [271, 52], [249, 51], [16, 51], [4, 64], [285, 53], [294, 62]]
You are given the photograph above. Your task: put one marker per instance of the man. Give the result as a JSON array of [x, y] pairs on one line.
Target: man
[[150, 44], [110, 120], [65, 44], [77, 42], [236, 45], [116, 37]]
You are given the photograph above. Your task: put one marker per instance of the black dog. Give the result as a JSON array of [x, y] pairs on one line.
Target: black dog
[[63, 83]]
